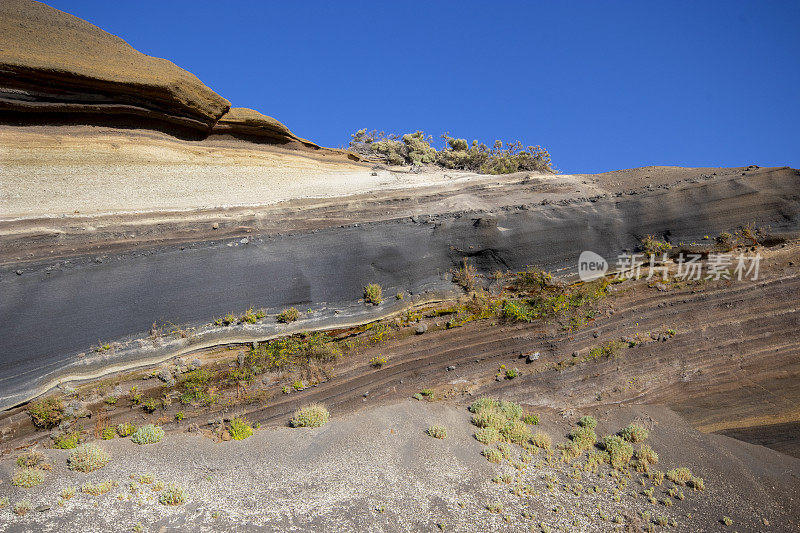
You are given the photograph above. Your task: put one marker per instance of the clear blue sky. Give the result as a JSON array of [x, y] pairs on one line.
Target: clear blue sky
[[602, 85]]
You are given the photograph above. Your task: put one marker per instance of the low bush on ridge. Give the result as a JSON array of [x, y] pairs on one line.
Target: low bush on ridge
[[415, 149]]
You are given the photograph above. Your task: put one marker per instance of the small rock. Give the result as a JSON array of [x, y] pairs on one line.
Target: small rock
[[595, 334], [366, 394], [76, 409], [451, 368], [166, 376], [661, 287], [193, 428], [422, 328], [255, 345], [98, 259], [215, 225], [18, 272], [240, 358], [225, 435], [196, 364], [42, 508], [532, 357], [245, 241]]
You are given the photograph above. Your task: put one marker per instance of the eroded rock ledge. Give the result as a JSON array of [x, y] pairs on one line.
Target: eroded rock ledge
[[58, 69]]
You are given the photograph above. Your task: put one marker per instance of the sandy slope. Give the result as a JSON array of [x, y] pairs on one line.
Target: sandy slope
[[377, 470], [49, 171]]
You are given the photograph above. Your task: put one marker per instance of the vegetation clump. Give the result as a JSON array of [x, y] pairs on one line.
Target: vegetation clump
[[679, 476], [196, 387], [310, 416], [27, 477], [634, 433], [126, 429], [487, 435], [493, 455], [415, 149], [87, 458], [588, 422], [288, 315], [373, 294], [541, 440], [67, 441], [98, 489], [240, 429], [30, 459], [148, 434], [646, 455], [531, 419], [46, 413], [377, 362], [652, 245], [172, 495], [437, 432], [466, 276], [619, 450], [583, 438], [22, 508]]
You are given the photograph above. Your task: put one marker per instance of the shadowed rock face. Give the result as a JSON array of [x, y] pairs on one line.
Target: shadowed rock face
[[58, 69]]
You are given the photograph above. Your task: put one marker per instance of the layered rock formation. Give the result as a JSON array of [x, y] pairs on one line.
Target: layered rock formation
[[252, 125], [58, 69]]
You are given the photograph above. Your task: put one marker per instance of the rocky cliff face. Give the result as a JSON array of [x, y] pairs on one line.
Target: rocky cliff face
[[58, 69]]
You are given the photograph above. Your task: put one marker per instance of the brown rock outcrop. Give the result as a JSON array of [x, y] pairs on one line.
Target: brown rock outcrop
[[253, 126], [58, 69]]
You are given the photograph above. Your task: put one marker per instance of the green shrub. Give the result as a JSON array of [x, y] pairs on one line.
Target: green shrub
[[172, 495], [310, 416], [531, 419], [46, 413], [147, 434], [493, 455], [583, 437], [511, 373], [515, 431], [99, 488], [619, 451], [373, 293], [414, 148], [487, 435], [727, 521], [250, 316], [22, 508], [240, 429], [437, 432], [696, 483], [126, 429], [196, 385], [634, 433], [67, 441], [646, 455], [652, 246], [288, 315], [87, 458], [30, 459], [27, 477], [68, 493], [377, 362], [588, 422], [542, 440], [108, 433], [151, 404], [679, 476], [466, 276]]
